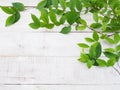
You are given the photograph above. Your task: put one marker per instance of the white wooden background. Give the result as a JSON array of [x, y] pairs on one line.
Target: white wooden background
[[46, 60]]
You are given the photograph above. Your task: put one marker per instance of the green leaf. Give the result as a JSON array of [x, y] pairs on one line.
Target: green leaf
[[72, 5], [95, 25], [44, 16], [62, 19], [95, 50], [7, 10], [95, 36], [83, 58], [110, 55], [89, 63], [95, 16], [19, 6], [55, 3], [109, 50], [72, 16], [80, 27], [63, 4], [89, 40], [66, 30], [111, 62], [78, 5], [116, 38], [49, 26], [53, 17], [101, 62], [111, 41], [83, 45], [12, 19], [34, 25], [117, 48], [41, 4], [35, 19]]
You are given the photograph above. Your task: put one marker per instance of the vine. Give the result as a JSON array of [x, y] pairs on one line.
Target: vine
[[105, 27]]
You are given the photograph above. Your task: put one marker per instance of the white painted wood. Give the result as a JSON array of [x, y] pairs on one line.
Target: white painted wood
[[41, 44], [53, 70], [26, 2], [59, 87], [47, 60]]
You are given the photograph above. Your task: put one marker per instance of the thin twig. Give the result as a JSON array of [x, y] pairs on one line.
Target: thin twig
[[118, 65], [116, 70]]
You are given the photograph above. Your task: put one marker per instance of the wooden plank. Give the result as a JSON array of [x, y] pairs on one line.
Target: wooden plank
[[42, 44], [57, 87], [23, 24], [53, 70], [26, 2]]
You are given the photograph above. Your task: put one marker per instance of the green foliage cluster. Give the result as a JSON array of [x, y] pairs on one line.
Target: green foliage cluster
[[106, 25], [14, 12]]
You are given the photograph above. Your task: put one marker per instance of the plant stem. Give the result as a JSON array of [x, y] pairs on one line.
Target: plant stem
[[118, 65], [116, 70]]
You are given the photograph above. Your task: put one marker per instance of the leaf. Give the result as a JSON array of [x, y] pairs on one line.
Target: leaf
[[78, 5], [72, 16], [53, 17], [49, 26], [80, 27], [34, 25], [7, 10], [101, 62], [35, 19], [95, 50], [110, 55], [89, 40], [111, 41], [89, 64], [109, 50], [55, 3], [19, 6], [111, 62], [95, 16], [72, 5], [83, 45], [117, 48], [62, 19], [12, 19], [116, 38], [44, 16], [63, 4], [95, 25], [41, 4], [83, 58], [95, 36], [66, 30]]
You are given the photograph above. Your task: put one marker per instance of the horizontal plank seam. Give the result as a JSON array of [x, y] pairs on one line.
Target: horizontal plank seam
[[64, 84], [39, 56], [45, 31]]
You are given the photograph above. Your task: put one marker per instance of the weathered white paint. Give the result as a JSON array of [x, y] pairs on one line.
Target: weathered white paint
[[47, 60], [53, 70], [59, 87]]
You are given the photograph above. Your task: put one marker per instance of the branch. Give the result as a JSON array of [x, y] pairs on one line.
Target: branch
[[116, 70]]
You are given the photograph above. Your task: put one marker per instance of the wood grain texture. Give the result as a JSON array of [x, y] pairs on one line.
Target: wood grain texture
[[53, 71], [45, 59], [42, 44], [26, 2], [59, 87]]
